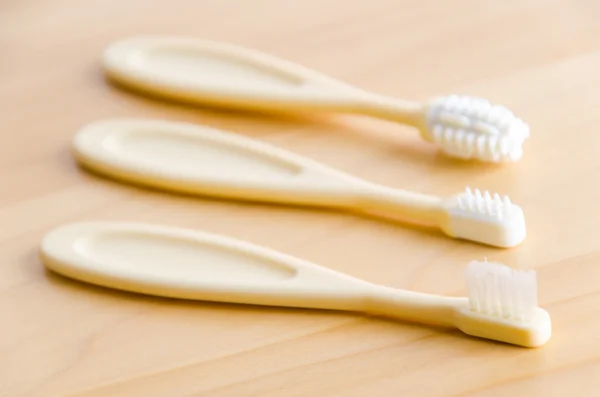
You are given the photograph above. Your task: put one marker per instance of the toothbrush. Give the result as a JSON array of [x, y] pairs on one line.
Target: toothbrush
[[189, 264], [192, 159], [208, 72]]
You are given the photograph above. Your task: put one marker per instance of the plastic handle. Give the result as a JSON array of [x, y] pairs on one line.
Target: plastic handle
[[201, 71], [188, 264], [188, 158], [191, 159]]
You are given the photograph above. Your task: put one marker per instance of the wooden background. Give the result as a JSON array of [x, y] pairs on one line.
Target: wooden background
[[538, 57]]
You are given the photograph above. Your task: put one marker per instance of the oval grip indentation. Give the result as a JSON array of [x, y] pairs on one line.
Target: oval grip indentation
[[174, 153], [178, 258], [203, 68]]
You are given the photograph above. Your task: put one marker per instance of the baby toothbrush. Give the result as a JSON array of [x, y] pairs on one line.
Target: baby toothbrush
[[192, 159], [501, 303], [207, 72]]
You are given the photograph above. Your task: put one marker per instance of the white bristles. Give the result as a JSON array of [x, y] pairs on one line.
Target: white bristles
[[484, 204], [496, 290], [472, 128]]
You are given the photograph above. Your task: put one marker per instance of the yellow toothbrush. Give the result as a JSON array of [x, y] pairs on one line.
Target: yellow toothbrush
[[192, 159], [207, 72], [190, 264]]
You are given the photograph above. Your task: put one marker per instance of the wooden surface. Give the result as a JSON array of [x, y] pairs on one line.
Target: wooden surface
[[538, 57]]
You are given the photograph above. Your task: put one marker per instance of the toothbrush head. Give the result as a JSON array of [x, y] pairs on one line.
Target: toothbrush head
[[472, 128], [503, 305], [484, 217]]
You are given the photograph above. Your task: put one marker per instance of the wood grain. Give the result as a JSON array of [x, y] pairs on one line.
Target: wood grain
[[538, 57]]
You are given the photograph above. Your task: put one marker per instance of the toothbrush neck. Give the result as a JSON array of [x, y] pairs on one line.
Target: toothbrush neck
[[393, 109], [408, 205], [414, 306]]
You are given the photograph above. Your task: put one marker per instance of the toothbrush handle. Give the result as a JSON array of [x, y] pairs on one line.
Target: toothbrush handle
[[403, 203], [393, 109], [414, 306]]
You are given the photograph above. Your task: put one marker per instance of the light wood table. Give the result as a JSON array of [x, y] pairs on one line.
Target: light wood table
[[538, 57]]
